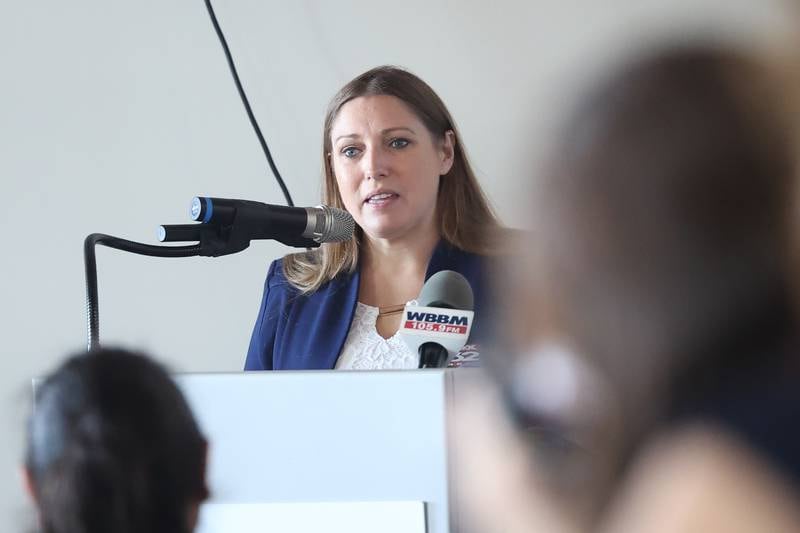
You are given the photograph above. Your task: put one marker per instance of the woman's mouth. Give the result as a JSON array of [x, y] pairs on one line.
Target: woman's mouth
[[380, 199]]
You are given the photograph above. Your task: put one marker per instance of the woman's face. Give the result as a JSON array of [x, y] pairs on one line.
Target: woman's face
[[387, 166]]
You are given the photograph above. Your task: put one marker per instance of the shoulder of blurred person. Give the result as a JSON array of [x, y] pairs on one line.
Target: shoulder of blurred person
[[700, 479]]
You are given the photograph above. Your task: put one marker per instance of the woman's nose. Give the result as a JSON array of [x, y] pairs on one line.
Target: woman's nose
[[375, 164]]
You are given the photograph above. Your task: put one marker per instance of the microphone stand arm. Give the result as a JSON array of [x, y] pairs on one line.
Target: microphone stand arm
[[214, 240], [90, 264]]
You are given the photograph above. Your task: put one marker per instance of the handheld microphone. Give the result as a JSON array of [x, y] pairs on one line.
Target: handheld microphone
[[437, 324], [229, 225]]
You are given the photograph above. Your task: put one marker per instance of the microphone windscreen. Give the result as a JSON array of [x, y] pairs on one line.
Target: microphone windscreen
[[336, 225], [447, 289]]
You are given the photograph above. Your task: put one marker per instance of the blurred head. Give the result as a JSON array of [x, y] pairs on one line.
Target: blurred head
[[113, 446], [388, 131], [661, 251]]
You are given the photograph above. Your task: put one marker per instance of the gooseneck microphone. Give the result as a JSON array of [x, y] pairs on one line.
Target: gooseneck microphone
[[438, 323], [227, 225]]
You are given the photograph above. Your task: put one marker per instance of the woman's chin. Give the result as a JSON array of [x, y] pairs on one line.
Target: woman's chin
[[380, 233], [385, 231], [395, 227]]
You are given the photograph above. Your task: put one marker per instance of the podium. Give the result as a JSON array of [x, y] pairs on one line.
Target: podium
[[353, 450]]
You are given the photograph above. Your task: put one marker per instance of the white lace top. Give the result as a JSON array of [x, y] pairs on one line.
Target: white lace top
[[365, 349]]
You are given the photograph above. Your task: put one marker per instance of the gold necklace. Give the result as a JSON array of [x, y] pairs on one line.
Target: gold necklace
[[390, 310]]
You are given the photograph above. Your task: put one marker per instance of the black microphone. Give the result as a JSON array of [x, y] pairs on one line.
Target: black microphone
[[229, 225], [438, 323]]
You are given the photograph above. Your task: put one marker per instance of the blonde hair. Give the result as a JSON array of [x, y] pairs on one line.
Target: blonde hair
[[464, 216]]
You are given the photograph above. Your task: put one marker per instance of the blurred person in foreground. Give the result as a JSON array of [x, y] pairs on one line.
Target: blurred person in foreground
[[655, 383], [113, 447]]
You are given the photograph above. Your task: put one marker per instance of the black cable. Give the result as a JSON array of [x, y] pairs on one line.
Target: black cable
[[89, 257], [90, 263], [246, 103]]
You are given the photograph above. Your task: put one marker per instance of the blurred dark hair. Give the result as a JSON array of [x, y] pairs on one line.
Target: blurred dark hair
[[672, 201], [113, 447], [662, 233]]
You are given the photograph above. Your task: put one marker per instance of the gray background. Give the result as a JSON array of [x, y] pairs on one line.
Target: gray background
[[114, 114]]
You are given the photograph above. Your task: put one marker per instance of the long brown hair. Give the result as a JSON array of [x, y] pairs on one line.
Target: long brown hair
[[464, 216]]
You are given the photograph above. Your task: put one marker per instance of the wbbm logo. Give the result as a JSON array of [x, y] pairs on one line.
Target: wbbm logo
[[441, 323]]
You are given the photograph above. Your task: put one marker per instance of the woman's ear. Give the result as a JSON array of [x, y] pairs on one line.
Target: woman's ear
[[448, 152], [329, 164]]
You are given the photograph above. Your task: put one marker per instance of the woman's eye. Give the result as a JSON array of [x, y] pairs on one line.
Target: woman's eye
[[399, 143], [350, 151]]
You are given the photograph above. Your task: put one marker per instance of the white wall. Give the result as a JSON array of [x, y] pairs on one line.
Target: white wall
[[114, 114]]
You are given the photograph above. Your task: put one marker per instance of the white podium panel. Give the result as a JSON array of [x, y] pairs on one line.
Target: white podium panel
[[325, 437], [341, 517]]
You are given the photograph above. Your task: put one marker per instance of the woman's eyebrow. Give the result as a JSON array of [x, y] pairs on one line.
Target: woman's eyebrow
[[348, 136], [403, 128], [383, 132]]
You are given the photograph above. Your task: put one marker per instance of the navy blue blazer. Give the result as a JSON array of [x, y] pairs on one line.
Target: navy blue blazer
[[302, 332]]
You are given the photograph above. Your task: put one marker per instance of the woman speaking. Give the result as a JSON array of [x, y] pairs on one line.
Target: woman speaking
[[394, 160]]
